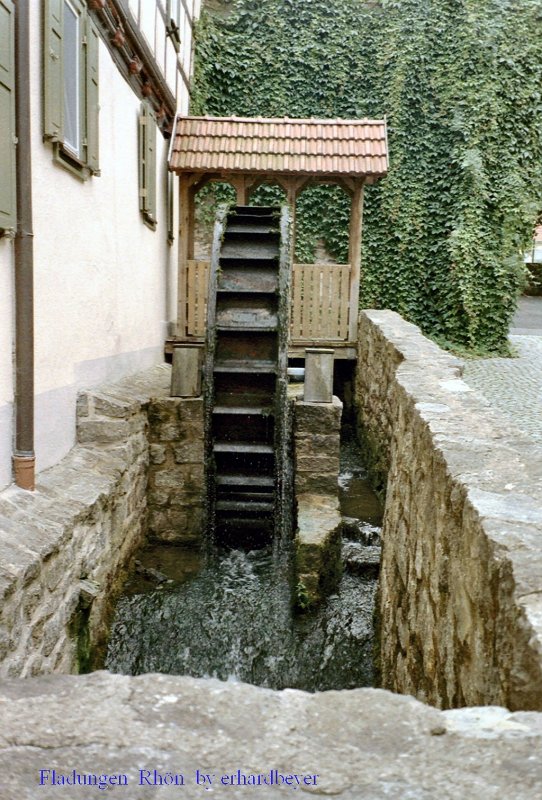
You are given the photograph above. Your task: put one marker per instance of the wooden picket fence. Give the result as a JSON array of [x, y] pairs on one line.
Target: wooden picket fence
[[320, 302]]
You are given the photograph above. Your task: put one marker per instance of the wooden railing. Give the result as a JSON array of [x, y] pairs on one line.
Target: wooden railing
[[320, 295], [320, 302]]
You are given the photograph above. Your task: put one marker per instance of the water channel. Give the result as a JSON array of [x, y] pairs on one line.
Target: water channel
[[231, 616]]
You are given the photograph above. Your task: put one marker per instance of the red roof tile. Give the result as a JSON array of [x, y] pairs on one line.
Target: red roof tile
[[352, 147]]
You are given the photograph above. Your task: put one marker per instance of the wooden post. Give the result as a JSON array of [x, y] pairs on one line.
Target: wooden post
[[292, 187], [186, 370], [240, 184], [356, 224], [186, 248]]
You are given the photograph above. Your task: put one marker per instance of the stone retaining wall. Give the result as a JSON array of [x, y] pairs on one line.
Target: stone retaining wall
[[63, 548], [176, 489], [461, 586]]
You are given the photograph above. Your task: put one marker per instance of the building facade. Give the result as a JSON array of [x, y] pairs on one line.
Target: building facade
[[105, 78]]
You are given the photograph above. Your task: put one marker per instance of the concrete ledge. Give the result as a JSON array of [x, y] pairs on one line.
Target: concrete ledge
[[361, 744], [462, 557]]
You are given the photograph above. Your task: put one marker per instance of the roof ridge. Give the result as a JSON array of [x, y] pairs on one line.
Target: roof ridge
[[282, 120]]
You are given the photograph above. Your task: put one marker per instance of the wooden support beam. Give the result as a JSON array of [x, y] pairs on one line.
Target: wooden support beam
[[240, 184], [356, 224], [292, 186], [348, 184], [186, 247]]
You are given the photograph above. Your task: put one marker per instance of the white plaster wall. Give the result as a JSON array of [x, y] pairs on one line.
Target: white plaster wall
[[100, 273], [105, 284], [6, 359]]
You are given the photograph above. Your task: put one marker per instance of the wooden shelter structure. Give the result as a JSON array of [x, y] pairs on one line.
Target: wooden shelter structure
[[294, 153]]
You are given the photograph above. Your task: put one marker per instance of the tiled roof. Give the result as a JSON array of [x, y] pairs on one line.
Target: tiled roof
[[280, 146]]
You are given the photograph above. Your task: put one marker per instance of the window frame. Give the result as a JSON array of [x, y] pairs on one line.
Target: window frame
[[85, 162]]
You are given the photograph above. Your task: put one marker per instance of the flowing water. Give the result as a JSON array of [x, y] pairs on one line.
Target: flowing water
[[232, 617]]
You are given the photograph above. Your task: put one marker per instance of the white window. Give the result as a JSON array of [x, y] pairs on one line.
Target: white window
[[72, 79]]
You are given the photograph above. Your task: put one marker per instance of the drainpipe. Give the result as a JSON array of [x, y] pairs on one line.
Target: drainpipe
[[23, 455]]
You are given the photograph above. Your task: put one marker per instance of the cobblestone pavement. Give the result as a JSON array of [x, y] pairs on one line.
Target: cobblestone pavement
[[514, 385]]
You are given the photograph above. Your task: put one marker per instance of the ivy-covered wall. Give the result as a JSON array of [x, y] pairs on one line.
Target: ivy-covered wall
[[461, 84]]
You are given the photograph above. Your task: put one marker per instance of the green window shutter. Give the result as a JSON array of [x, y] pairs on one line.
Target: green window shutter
[[8, 198], [53, 70], [141, 143], [170, 207], [147, 165], [92, 98]]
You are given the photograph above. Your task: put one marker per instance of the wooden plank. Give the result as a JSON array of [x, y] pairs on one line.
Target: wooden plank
[[320, 302], [190, 300], [344, 309], [186, 371], [307, 298], [324, 303], [203, 279], [196, 293], [297, 282], [315, 326], [335, 303]]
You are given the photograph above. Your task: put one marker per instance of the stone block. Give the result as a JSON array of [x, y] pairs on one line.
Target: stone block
[[102, 431], [83, 406], [313, 464], [318, 417], [160, 497], [162, 410], [190, 410], [316, 482], [157, 453], [317, 544], [317, 443], [166, 432], [108, 406], [189, 452], [173, 478]]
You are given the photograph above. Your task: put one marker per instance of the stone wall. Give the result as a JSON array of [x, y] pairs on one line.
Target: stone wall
[[64, 547], [317, 430], [461, 586], [176, 488]]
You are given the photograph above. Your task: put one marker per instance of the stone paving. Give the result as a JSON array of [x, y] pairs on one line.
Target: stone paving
[[514, 385]]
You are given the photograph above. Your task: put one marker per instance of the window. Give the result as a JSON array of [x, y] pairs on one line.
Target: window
[[70, 85], [147, 165], [8, 200]]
